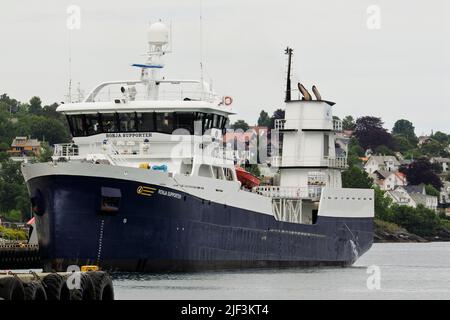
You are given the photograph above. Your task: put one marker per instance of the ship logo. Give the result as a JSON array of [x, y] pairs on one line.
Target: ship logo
[[145, 191]]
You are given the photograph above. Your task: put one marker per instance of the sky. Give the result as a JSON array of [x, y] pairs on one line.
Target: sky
[[393, 62]]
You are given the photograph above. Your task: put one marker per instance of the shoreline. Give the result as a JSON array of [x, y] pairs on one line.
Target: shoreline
[[385, 232]]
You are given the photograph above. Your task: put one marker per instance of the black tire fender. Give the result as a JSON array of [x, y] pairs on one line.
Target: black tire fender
[[103, 286], [34, 291], [56, 287], [11, 288], [86, 291]]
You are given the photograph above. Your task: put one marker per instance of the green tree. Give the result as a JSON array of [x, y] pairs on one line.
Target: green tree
[[44, 129], [382, 205], [277, 115], [413, 154], [13, 193], [240, 124], [348, 123], [441, 137], [264, 119], [371, 134], [355, 148], [422, 171], [405, 128], [383, 150], [9, 105], [7, 129], [402, 144], [356, 178], [432, 191], [355, 151], [46, 152], [434, 149], [421, 221], [35, 106]]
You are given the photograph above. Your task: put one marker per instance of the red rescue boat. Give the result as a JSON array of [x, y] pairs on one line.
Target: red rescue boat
[[247, 179]]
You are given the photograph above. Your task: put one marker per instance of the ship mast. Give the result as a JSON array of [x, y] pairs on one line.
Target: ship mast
[[289, 52], [158, 40]]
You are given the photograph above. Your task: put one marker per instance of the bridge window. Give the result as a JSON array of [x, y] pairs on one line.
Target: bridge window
[[127, 122], [164, 122], [76, 124], [205, 171], [228, 174], [92, 124], [218, 173], [109, 122], [185, 120], [146, 122], [198, 123], [208, 122]]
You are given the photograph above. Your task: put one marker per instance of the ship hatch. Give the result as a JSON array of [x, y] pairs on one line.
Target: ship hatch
[[110, 201]]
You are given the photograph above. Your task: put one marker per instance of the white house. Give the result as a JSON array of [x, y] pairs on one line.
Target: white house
[[444, 162], [388, 180], [412, 198], [430, 202], [401, 197], [418, 193], [385, 163]]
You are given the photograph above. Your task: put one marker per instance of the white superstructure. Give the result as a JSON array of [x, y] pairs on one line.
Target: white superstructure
[[169, 131]]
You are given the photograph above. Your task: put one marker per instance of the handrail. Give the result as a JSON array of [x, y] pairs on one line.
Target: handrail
[[337, 125], [338, 162], [310, 192]]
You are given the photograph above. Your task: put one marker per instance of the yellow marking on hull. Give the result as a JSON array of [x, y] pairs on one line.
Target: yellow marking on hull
[[145, 191]]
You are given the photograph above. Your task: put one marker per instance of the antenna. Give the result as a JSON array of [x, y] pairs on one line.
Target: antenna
[[70, 67], [201, 46], [289, 52], [171, 42]]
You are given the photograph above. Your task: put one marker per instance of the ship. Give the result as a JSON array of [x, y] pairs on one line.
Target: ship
[[148, 185]]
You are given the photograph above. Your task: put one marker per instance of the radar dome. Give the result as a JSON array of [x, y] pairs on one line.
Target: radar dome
[[158, 33]]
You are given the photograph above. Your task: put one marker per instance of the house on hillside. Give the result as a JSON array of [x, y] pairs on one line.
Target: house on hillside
[[388, 180], [245, 144], [405, 162], [384, 163], [419, 195], [444, 162], [22, 148], [401, 197], [424, 140]]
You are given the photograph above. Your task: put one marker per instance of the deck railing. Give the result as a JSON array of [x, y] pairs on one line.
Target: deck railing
[[310, 192], [281, 161], [66, 150]]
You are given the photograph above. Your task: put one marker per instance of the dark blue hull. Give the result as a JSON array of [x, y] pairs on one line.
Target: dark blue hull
[[160, 232]]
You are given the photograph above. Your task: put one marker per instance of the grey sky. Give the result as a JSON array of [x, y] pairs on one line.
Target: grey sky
[[399, 71]]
